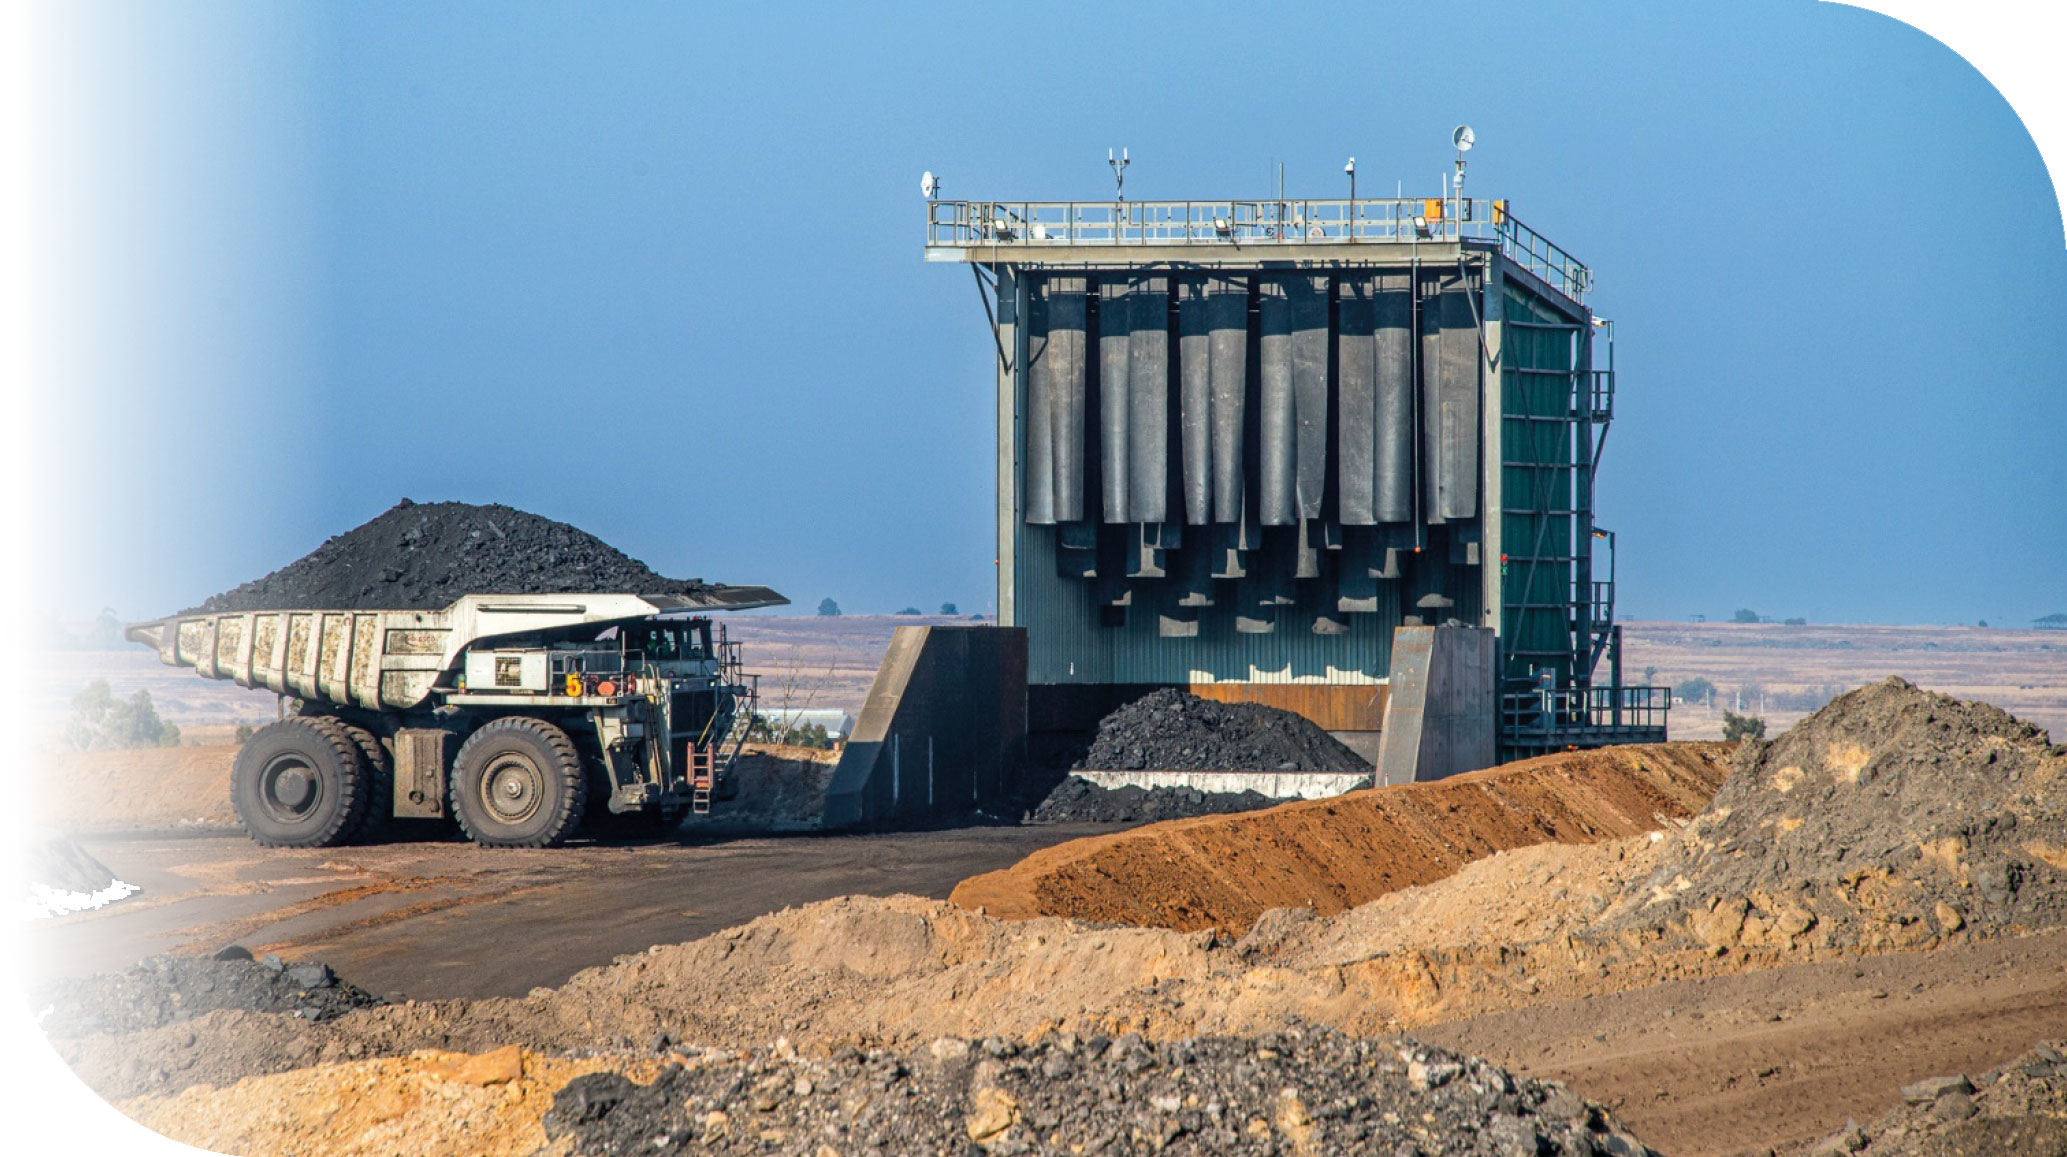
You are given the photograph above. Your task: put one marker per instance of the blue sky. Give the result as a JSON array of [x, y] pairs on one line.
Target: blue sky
[[656, 271]]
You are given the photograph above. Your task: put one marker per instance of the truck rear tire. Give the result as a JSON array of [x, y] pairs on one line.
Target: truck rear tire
[[517, 783], [299, 783], [379, 821]]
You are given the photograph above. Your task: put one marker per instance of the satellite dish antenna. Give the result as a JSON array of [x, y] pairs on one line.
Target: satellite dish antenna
[[1463, 138], [929, 184]]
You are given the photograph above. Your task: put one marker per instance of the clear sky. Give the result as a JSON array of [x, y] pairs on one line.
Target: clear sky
[[656, 271]]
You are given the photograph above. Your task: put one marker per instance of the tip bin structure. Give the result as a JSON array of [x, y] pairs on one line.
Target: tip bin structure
[[1333, 456]]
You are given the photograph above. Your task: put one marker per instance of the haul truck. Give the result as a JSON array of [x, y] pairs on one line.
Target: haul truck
[[515, 715]]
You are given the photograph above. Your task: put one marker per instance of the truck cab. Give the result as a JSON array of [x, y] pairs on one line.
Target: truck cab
[[655, 706]]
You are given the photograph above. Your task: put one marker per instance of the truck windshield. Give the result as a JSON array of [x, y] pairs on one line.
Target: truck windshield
[[667, 644]]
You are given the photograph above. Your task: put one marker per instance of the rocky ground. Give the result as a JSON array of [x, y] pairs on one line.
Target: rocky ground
[[2020, 1108], [166, 990], [1291, 1092], [426, 554]]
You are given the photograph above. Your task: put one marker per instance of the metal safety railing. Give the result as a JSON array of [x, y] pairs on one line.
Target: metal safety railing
[[1021, 225], [1578, 716]]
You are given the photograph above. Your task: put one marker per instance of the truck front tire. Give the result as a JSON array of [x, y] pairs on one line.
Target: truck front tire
[[517, 783], [299, 783]]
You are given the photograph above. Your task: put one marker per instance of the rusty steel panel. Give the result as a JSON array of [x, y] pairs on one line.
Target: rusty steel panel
[[1331, 706]]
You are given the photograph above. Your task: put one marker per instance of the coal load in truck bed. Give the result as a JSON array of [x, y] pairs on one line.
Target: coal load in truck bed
[[420, 556], [1171, 730]]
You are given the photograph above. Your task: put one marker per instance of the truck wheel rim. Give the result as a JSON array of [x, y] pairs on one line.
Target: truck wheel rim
[[289, 789], [512, 789]]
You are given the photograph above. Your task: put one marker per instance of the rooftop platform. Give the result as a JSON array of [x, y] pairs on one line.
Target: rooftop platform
[[1375, 230]]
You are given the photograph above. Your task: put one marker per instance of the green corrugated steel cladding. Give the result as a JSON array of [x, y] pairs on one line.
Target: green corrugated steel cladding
[[1545, 541]]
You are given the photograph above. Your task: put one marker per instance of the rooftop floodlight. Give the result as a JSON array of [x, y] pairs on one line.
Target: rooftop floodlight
[[1350, 168], [929, 185], [1119, 172], [1463, 138], [1221, 226]]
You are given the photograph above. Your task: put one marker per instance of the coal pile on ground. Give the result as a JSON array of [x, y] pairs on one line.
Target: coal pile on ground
[[63, 878], [2020, 1108], [1079, 801], [1171, 730], [1891, 818], [163, 990], [1293, 1092], [424, 555]]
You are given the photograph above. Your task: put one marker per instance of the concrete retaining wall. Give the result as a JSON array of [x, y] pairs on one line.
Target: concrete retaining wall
[[943, 730], [1440, 718]]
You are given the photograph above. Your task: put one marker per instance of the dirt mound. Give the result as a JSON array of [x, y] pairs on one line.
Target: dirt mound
[[164, 990], [1079, 801], [2020, 1108], [1889, 818], [150, 789], [781, 788], [429, 1103], [424, 555], [1171, 730], [1333, 854], [1295, 1092]]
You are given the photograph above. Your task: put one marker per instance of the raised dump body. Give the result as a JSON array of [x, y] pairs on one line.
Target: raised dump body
[[516, 715]]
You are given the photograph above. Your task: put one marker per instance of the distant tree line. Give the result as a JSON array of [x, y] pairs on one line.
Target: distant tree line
[[101, 722]]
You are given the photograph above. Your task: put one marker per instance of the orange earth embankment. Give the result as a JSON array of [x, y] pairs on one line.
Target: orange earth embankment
[[1334, 854], [148, 789]]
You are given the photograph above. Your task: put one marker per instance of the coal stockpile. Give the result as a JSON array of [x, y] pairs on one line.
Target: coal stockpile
[[1891, 818], [423, 555], [1079, 801], [166, 989], [1295, 1092], [1171, 730]]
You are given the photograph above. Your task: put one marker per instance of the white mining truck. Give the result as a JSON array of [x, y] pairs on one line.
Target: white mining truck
[[512, 714]]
